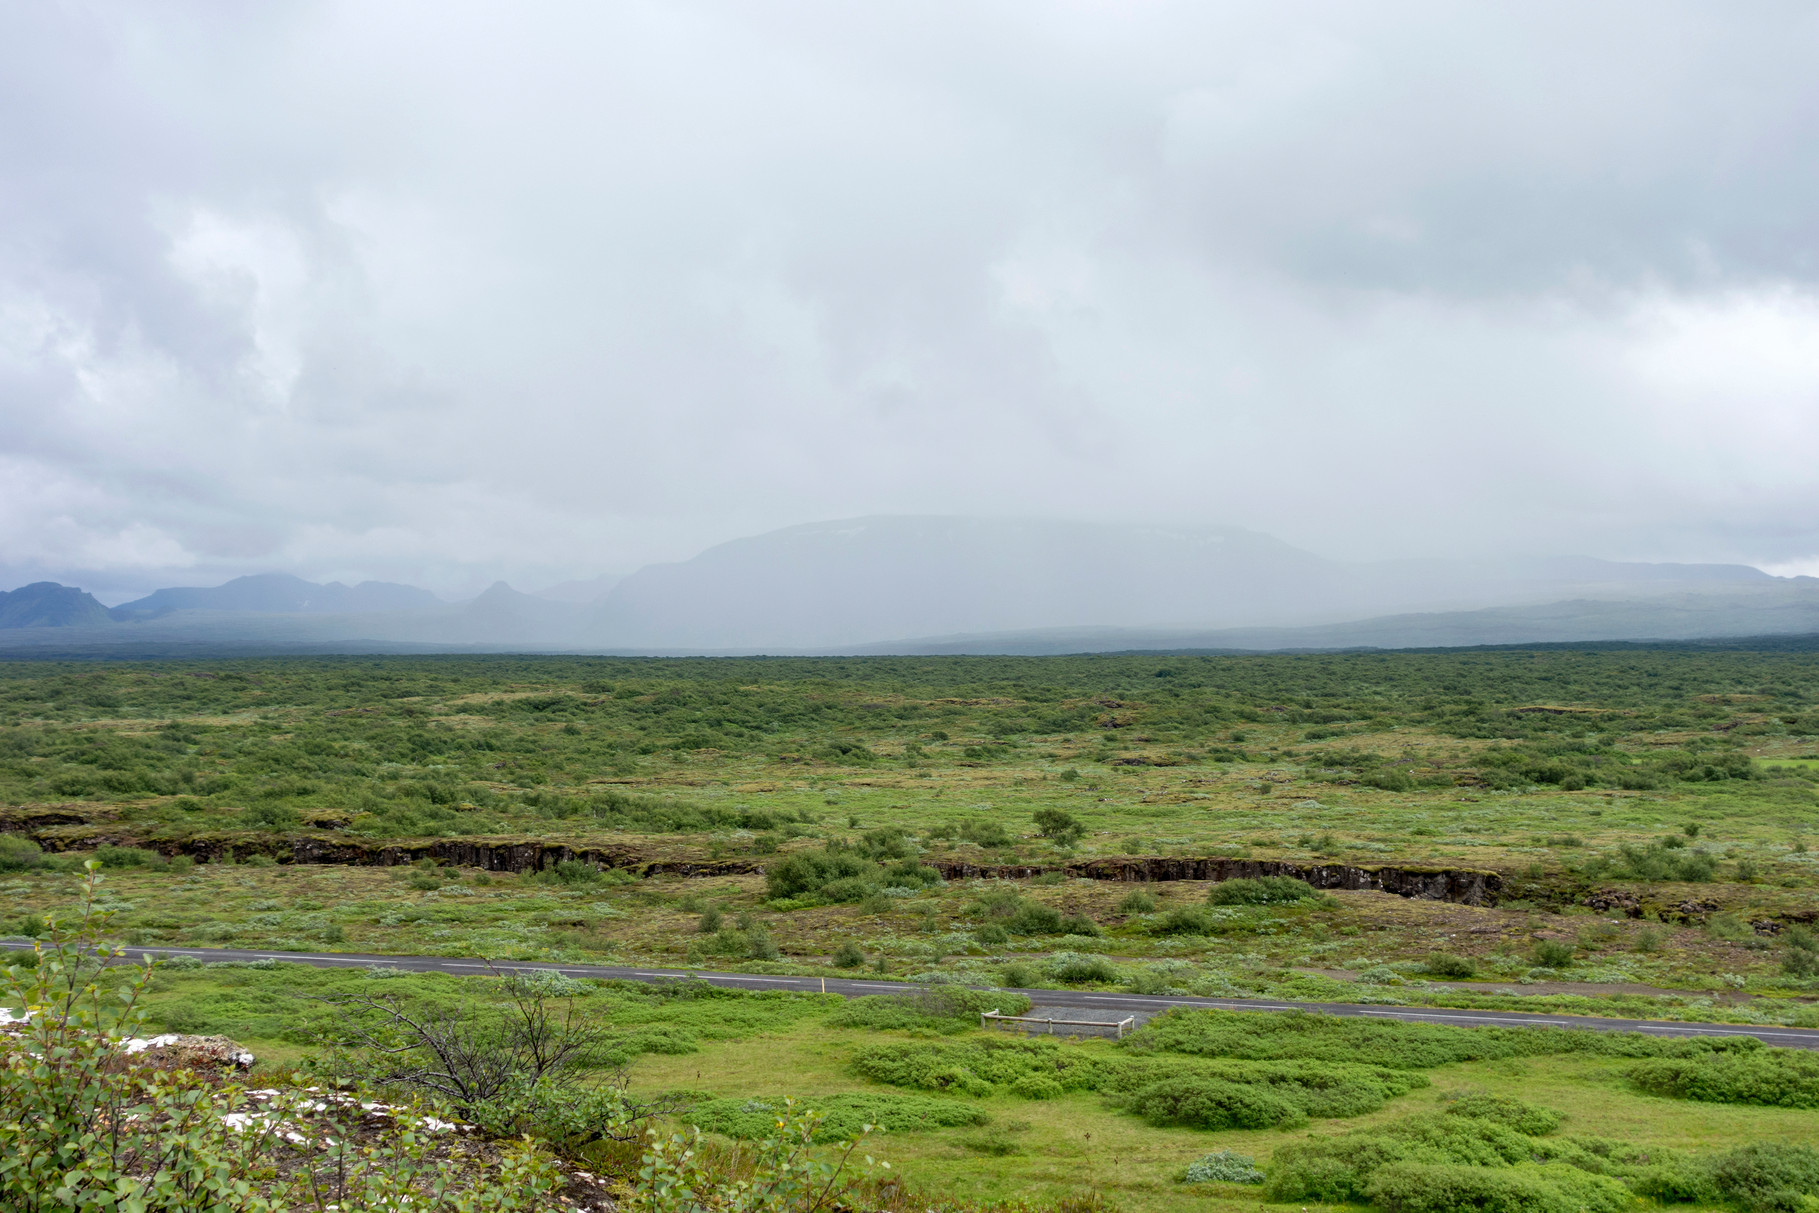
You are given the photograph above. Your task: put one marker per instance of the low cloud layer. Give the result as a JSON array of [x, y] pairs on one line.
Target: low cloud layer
[[440, 293]]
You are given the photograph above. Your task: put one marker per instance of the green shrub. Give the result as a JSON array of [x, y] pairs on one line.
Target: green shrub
[[270, 816], [1138, 901], [1782, 1078], [1036, 1086], [1447, 965], [1261, 891], [983, 1065], [1074, 967], [1800, 955], [817, 872], [1223, 1167], [1525, 1118], [1409, 1187], [1034, 918], [1021, 975], [574, 871], [19, 854], [1060, 826], [943, 1008], [128, 857], [1768, 1177], [1552, 954], [848, 956], [1188, 920], [1205, 1103]]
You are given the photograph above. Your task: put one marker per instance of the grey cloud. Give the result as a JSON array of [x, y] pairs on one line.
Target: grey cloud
[[443, 293]]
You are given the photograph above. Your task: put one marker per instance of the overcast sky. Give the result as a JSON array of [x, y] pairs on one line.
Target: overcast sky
[[446, 292]]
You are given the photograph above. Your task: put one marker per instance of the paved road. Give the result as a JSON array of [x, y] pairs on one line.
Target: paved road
[[1064, 1005]]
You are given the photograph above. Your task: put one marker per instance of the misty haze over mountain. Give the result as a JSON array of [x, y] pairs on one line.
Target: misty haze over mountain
[[947, 584]]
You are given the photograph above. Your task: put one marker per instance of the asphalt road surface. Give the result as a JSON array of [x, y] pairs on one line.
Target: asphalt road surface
[[1065, 1007]]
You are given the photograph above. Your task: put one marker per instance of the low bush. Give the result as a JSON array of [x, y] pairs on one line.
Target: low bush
[[1074, 967], [983, 1066], [1768, 1177], [1782, 1078], [1222, 1167], [1447, 965], [942, 1008], [1340, 1169], [1552, 954], [1409, 1187], [1034, 918], [836, 875], [1209, 1103], [1138, 901], [1261, 891], [1188, 920], [19, 854], [1800, 957], [1059, 826], [1036, 1086], [128, 857], [848, 956], [1523, 1117]]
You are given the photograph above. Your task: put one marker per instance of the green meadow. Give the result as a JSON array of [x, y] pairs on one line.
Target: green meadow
[[1640, 818]]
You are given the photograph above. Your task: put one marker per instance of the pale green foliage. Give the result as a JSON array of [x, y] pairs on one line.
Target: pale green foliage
[[780, 1174]]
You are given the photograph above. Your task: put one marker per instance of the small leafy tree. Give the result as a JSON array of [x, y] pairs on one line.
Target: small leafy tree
[[1059, 826], [82, 1126], [87, 1125]]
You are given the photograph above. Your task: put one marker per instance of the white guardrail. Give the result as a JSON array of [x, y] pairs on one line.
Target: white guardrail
[[987, 1018]]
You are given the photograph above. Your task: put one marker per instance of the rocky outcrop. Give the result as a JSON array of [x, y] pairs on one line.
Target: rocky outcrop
[[1462, 885]]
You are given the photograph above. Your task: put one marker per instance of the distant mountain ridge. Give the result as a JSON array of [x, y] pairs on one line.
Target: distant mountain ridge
[[280, 593], [45, 604], [916, 584]]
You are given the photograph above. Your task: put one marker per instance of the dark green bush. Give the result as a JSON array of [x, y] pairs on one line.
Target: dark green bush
[[128, 857], [813, 872], [1060, 826], [1187, 920], [1768, 1177], [1782, 1078], [1800, 954], [1034, 918], [1410, 1187], [1262, 891], [1525, 1118], [1138, 901], [19, 854], [1207, 1103], [1552, 954], [943, 1008], [848, 956], [1447, 965], [269, 816], [1073, 967]]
